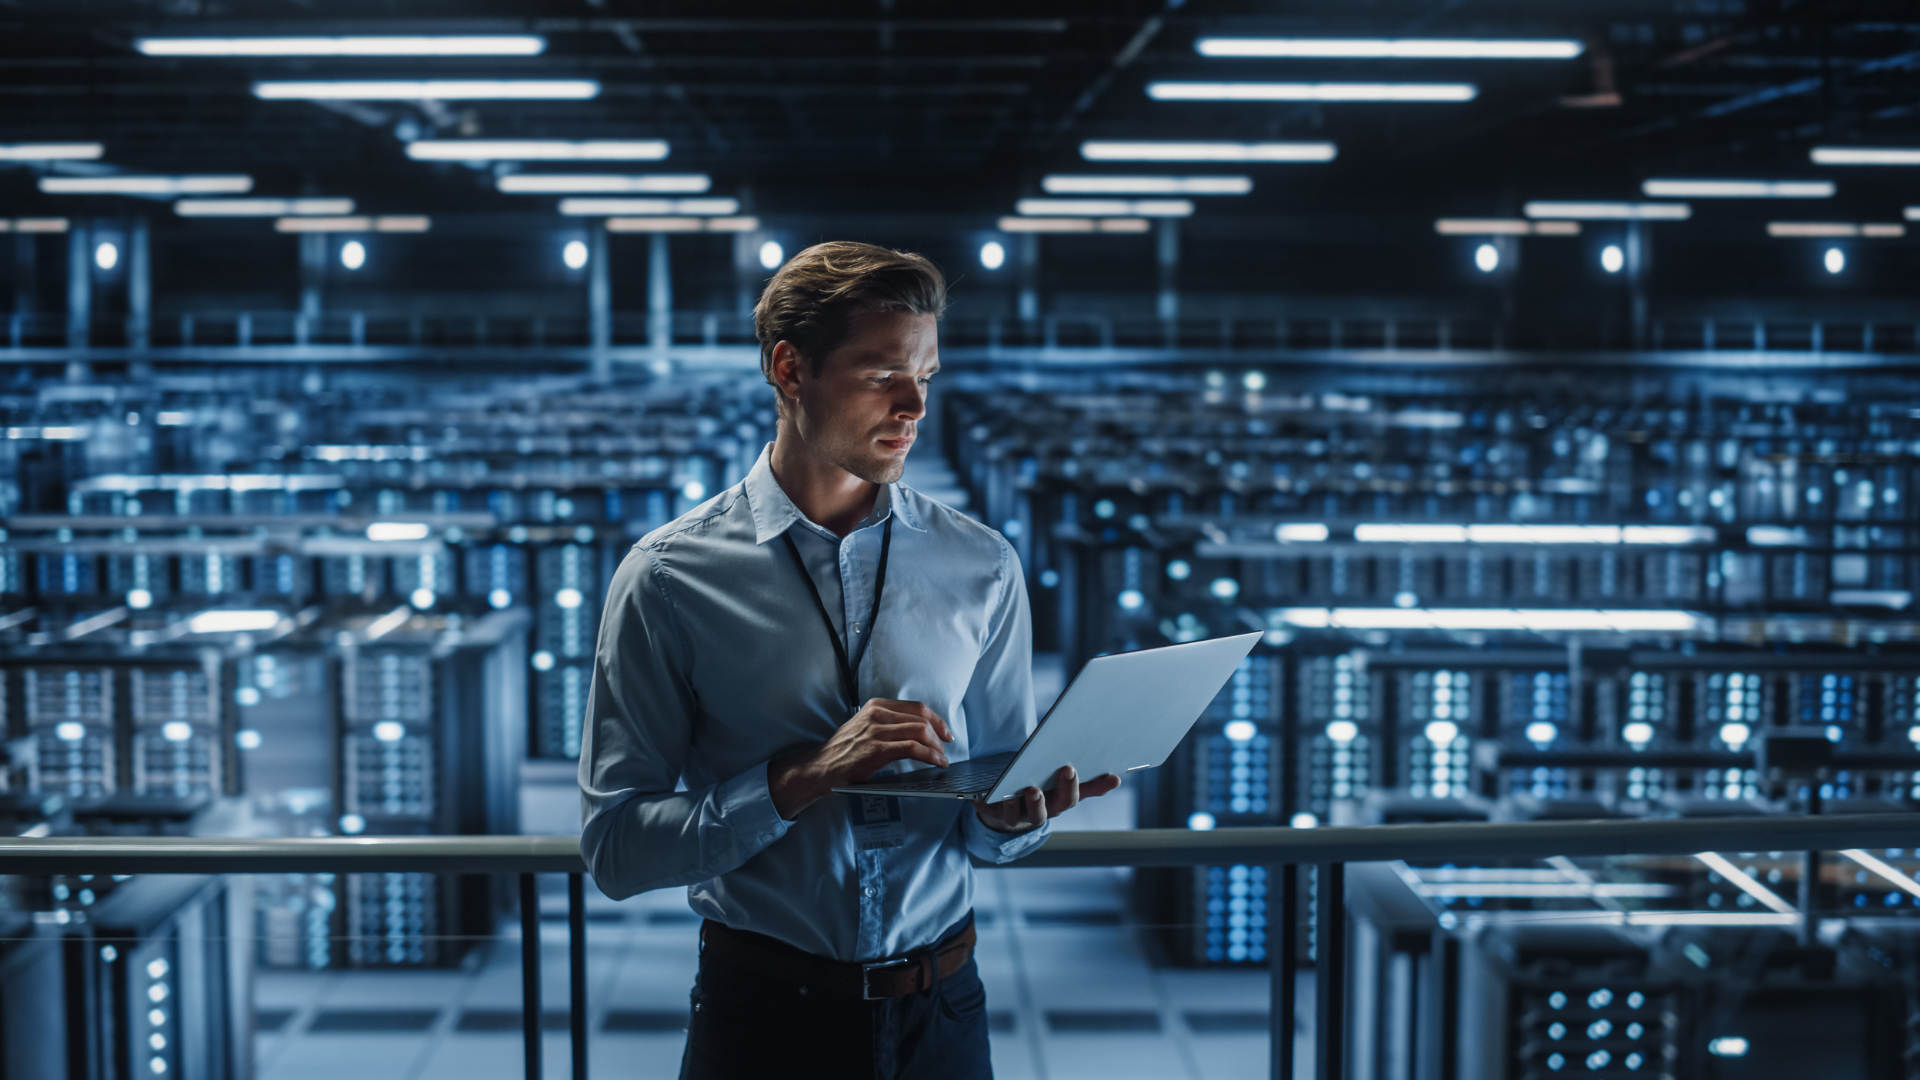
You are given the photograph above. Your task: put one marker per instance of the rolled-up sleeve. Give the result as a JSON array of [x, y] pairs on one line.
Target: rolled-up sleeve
[[638, 832], [999, 704]]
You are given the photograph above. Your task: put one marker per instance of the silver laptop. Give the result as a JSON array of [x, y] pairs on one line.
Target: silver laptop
[[1122, 712]]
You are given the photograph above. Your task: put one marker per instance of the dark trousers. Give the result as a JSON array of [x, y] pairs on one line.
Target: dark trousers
[[749, 1026]]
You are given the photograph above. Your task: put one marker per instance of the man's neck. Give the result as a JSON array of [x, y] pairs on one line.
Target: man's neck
[[829, 496]]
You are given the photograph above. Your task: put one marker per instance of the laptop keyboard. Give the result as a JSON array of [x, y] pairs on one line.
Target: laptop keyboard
[[965, 777]]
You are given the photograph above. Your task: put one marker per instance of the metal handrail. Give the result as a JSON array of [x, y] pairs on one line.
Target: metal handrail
[[1136, 847], [1281, 849]]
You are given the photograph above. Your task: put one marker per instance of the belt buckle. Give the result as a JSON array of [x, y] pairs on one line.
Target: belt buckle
[[866, 980]]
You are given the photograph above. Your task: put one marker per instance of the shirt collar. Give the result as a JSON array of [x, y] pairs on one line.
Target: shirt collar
[[774, 513]]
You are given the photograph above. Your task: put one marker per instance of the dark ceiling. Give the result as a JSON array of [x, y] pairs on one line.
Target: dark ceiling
[[938, 107]]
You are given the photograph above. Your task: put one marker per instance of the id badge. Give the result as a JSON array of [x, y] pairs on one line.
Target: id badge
[[877, 822]]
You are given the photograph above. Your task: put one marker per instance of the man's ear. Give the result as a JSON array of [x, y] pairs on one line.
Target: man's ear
[[784, 369]]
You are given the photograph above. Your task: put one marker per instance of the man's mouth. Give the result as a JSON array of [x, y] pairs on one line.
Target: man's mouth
[[897, 443]]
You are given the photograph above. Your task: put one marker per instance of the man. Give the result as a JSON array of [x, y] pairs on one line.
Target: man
[[806, 628]]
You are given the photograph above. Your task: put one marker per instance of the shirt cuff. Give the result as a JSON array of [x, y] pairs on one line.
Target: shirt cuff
[[987, 845], [746, 805]]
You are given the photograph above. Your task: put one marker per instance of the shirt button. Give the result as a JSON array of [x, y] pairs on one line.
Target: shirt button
[[858, 628], [867, 892]]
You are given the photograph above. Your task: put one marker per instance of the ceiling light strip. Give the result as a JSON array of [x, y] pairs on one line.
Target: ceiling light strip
[[429, 90], [1301, 91], [73, 151], [1865, 155], [537, 149], [390, 223], [1104, 208], [1390, 48], [355, 45], [1504, 227], [1060, 184], [1074, 225], [608, 207], [1238, 152], [604, 184], [672, 224], [1608, 211], [146, 185], [1738, 189], [260, 207]]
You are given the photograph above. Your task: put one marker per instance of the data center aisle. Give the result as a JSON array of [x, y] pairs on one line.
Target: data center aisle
[[1069, 990]]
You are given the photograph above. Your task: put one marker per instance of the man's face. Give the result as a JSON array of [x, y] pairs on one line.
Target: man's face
[[861, 411]]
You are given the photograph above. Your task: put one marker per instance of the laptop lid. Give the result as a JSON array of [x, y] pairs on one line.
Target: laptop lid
[[1124, 712]]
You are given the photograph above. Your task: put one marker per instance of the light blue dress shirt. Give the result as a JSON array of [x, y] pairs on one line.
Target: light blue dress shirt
[[712, 661]]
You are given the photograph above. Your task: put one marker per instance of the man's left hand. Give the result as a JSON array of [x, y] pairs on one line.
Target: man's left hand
[[1031, 808]]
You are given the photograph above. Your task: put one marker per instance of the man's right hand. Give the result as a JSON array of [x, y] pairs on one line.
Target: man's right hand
[[882, 732]]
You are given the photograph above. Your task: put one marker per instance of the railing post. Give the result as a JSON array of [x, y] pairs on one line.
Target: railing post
[[1283, 937], [1330, 1012], [530, 972], [577, 964]]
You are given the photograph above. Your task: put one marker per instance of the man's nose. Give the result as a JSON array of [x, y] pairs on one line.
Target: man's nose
[[912, 403]]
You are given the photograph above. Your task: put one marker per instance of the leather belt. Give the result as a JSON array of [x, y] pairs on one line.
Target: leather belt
[[770, 958]]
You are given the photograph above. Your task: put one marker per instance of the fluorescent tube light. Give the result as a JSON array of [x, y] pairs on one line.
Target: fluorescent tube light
[[260, 207], [33, 225], [1865, 155], [1738, 189], [1670, 534], [146, 185], [1390, 48], [1885, 869], [398, 530], [1410, 534], [1504, 227], [1299, 91], [537, 149], [387, 224], [605, 207], [1566, 890], [1912, 213], [233, 622], [1073, 225], [1891, 599], [604, 184], [1300, 533], [1118, 150], [1538, 620], [74, 151], [682, 224], [430, 90], [1745, 883], [1146, 185], [1778, 536], [366, 45], [1825, 229], [1104, 207], [1609, 211]]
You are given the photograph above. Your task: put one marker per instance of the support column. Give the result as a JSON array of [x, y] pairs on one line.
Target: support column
[[139, 287], [313, 274], [1167, 247], [1639, 265], [659, 297], [1029, 277], [79, 285], [26, 273], [599, 300], [747, 272]]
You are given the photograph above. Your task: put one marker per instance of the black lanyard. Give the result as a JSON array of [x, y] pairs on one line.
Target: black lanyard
[[849, 669]]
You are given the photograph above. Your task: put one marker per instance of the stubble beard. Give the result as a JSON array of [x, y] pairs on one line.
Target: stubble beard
[[858, 458]]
